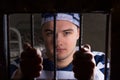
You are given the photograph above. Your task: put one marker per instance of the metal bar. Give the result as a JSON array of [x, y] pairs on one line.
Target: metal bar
[[6, 45], [54, 47], [107, 45], [2, 60], [32, 32], [32, 29], [81, 31]]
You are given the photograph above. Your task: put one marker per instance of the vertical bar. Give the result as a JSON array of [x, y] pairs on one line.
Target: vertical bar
[[2, 53], [1, 48], [32, 32], [6, 45], [54, 46], [107, 45], [32, 29], [81, 31]]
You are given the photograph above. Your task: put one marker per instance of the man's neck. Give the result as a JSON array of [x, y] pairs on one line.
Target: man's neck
[[65, 62]]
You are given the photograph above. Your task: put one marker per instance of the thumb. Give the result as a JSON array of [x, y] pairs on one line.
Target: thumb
[[38, 51]]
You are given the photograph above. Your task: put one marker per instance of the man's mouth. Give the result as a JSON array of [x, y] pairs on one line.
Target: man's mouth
[[60, 49]]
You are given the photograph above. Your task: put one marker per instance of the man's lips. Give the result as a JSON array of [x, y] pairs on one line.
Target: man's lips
[[60, 49]]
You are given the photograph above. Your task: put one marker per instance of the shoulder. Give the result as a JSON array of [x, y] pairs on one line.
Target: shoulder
[[99, 56], [15, 62]]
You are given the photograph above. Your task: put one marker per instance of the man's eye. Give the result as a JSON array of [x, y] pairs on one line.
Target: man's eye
[[49, 33], [67, 33]]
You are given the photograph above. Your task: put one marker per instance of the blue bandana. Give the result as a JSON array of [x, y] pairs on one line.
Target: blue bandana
[[71, 17]]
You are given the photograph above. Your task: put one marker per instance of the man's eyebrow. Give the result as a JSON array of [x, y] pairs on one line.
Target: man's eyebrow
[[46, 30], [68, 30]]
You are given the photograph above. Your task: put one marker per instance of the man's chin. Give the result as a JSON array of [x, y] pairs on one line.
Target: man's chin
[[59, 58]]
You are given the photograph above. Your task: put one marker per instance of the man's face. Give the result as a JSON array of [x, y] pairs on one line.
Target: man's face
[[66, 38]]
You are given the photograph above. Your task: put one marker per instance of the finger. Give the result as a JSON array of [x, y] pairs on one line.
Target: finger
[[78, 56], [26, 46], [29, 53], [86, 48], [39, 52]]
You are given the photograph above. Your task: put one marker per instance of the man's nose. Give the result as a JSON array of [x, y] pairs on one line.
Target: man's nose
[[59, 39]]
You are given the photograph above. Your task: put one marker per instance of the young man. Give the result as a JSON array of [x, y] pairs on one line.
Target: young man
[[71, 64]]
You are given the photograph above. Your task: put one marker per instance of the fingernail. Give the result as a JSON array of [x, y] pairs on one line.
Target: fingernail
[[86, 48]]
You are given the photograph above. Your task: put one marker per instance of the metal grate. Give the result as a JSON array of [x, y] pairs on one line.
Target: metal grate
[[32, 40]]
